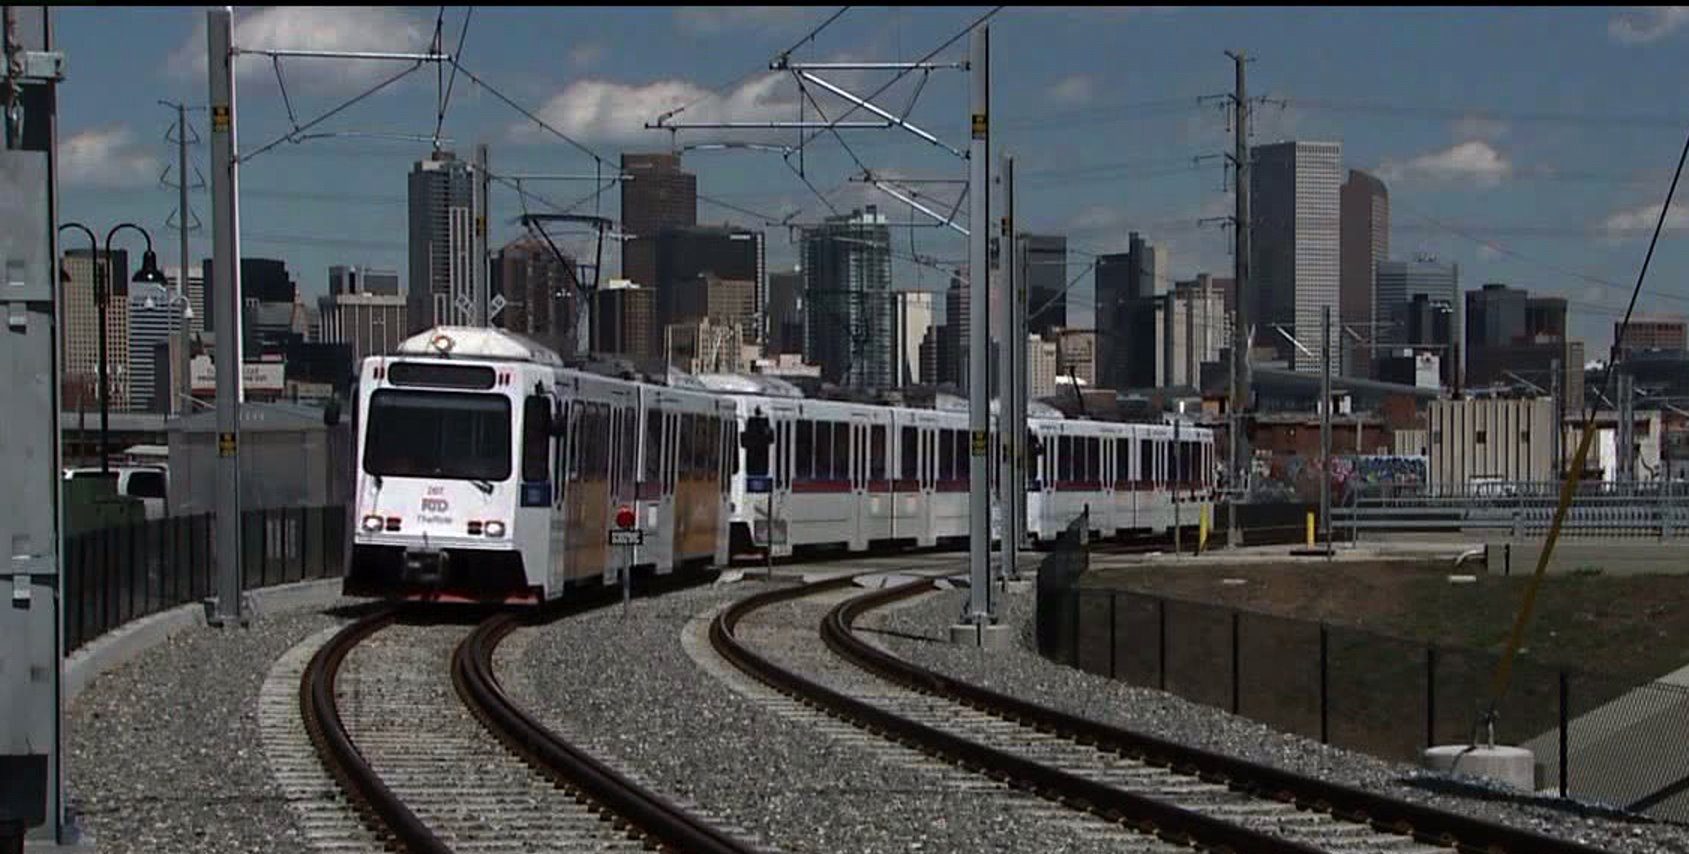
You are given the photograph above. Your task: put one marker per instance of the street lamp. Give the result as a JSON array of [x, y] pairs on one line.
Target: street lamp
[[183, 318], [148, 274]]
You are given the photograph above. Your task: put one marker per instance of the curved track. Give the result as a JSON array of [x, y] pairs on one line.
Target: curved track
[[411, 786], [1177, 792]]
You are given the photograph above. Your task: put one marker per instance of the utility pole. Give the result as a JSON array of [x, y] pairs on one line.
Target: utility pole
[[1240, 295], [225, 277], [1010, 392], [32, 626], [979, 612], [182, 364], [1325, 429], [1624, 438], [478, 276], [1555, 439]]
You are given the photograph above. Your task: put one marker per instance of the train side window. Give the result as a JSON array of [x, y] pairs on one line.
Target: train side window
[[1064, 459], [823, 450], [877, 452], [1144, 462], [683, 459], [946, 460], [841, 451], [1093, 460], [653, 445], [805, 449], [908, 453]]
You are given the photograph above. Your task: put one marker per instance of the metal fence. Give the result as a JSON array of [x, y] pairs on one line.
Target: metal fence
[[1653, 509], [115, 575], [1596, 739]]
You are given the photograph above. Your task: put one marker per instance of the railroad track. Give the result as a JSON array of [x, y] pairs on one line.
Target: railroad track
[[1177, 793], [436, 757]]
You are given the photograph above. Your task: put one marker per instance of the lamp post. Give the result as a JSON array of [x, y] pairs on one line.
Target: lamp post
[[182, 319], [148, 274]]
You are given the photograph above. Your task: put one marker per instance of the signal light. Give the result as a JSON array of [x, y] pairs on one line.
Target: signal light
[[624, 517]]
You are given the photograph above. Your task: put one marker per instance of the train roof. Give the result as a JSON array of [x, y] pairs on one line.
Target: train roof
[[758, 384], [445, 342]]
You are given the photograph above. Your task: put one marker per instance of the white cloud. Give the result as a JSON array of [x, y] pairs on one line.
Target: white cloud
[[607, 110], [1474, 161], [1647, 24], [1073, 89], [1642, 219], [367, 28], [1486, 252], [1480, 128], [107, 157], [586, 55], [715, 20]]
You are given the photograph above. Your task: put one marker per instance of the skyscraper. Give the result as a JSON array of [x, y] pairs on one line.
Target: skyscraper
[[1130, 288], [539, 293], [81, 341], [1046, 279], [684, 253], [442, 230], [1365, 237], [149, 327], [1295, 243], [660, 196], [785, 312], [911, 319], [363, 310], [624, 320], [1512, 336], [1398, 282], [847, 279]]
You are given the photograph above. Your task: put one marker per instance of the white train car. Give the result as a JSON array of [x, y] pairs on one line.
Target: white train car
[[488, 472], [857, 475]]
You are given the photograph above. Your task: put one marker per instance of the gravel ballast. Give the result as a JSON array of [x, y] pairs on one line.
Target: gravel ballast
[[642, 704], [1022, 673], [164, 752]]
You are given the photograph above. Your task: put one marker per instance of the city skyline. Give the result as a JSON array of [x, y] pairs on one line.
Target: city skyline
[[1486, 166]]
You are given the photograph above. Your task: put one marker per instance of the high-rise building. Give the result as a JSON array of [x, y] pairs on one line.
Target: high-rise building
[[930, 372], [81, 343], [624, 320], [1651, 332], [262, 280], [684, 253], [911, 321], [660, 196], [847, 281], [1046, 281], [196, 295], [785, 313], [724, 302], [442, 231], [1076, 354], [1429, 329], [345, 279], [1365, 236], [1201, 329], [1514, 338], [364, 311], [1399, 282], [1129, 287], [151, 323], [1295, 243], [1042, 360], [539, 292]]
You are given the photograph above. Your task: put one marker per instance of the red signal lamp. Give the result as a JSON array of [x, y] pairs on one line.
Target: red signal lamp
[[624, 517]]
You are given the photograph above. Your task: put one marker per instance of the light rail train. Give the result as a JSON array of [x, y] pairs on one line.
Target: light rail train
[[487, 471]]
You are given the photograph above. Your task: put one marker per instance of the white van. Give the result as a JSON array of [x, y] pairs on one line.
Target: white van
[[147, 483]]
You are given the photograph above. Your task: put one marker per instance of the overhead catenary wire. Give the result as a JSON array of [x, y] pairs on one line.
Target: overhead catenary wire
[[446, 98]]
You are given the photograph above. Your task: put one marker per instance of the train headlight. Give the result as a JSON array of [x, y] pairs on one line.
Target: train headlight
[[372, 524], [494, 529]]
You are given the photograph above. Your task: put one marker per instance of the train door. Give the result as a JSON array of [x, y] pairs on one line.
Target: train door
[[667, 520], [778, 528], [856, 518]]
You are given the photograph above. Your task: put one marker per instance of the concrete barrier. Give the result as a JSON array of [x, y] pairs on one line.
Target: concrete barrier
[[124, 643]]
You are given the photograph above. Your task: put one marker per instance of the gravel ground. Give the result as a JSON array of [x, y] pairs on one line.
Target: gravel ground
[[650, 710], [1021, 672], [164, 752]]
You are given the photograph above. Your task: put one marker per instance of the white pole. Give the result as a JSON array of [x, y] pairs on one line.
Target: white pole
[[979, 337]]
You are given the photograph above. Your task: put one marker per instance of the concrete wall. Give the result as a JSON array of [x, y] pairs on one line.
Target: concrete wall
[[1509, 439]]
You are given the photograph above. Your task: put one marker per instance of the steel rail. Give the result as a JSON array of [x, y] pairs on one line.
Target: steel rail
[[646, 813], [1426, 824], [1145, 814], [381, 809]]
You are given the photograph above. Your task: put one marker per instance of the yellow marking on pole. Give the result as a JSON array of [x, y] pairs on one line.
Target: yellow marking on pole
[[1504, 669], [981, 443], [1202, 529], [1310, 529], [220, 118]]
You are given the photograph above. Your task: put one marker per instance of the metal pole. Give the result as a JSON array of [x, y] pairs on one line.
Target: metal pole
[[1023, 391], [1240, 311], [182, 358], [979, 337], [102, 295], [1177, 473], [225, 277], [1009, 390], [1554, 438], [1325, 428]]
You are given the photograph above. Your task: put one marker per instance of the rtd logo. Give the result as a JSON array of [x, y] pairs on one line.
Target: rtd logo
[[435, 505]]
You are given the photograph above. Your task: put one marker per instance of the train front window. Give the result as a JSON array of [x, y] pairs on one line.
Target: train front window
[[449, 435]]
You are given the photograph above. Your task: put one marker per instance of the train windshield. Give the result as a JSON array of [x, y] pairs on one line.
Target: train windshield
[[438, 434]]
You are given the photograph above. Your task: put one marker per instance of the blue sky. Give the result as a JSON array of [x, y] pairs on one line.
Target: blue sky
[[1532, 146]]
